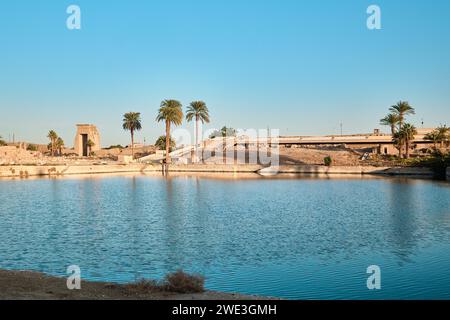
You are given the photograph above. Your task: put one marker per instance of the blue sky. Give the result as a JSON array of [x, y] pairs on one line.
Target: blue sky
[[299, 66]]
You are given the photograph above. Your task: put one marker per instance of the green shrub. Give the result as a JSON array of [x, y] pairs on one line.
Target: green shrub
[[392, 158], [327, 161], [438, 162], [32, 147], [117, 146]]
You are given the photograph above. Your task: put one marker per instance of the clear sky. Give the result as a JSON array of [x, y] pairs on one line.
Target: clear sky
[[299, 66]]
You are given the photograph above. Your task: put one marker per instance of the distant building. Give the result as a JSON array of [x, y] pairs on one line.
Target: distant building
[[86, 132]]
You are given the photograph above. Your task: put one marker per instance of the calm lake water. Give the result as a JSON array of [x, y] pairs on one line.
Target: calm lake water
[[296, 238]]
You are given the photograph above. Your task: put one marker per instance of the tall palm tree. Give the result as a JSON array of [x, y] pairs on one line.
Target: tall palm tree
[[53, 137], [199, 111], [407, 132], [402, 109], [59, 144], [171, 113], [390, 120], [132, 122]]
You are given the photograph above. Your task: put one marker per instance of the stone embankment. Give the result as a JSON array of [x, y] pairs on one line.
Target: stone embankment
[[314, 169], [25, 171]]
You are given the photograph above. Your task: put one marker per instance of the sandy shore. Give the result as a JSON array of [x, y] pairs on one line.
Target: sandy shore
[[38, 286]]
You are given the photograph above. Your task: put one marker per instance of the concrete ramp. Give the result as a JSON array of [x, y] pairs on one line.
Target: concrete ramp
[[186, 152]]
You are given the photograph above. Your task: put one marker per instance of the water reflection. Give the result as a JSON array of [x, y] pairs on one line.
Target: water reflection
[[256, 235], [404, 218], [173, 220]]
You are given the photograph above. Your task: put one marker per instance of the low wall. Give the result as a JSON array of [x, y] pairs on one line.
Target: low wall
[[247, 168], [46, 170], [58, 170]]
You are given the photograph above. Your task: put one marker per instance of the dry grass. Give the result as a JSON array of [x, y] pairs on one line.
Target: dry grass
[[144, 286], [182, 282], [176, 282]]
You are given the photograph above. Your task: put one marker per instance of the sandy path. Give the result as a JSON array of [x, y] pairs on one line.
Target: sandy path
[[37, 286]]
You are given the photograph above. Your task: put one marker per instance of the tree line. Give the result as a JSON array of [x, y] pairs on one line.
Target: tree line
[[56, 144], [170, 113], [403, 133]]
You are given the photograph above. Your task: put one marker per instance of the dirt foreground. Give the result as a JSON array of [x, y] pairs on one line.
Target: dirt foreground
[[26, 285]]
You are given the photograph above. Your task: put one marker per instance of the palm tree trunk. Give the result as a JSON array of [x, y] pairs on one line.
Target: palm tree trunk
[[196, 138], [167, 142], [407, 148], [132, 144], [224, 150]]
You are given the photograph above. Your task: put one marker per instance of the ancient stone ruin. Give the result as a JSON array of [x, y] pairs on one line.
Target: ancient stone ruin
[[86, 133]]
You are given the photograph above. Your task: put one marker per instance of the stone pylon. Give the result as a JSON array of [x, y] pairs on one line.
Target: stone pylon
[[86, 132]]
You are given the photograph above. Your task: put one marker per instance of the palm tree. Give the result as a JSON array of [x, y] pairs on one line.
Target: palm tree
[[228, 132], [161, 143], [443, 134], [390, 120], [399, 140], [2, 142], [59, 144], [433, 136], [171, 113], [402, 109], [90, 144], [132, 122], [53, 137], [439, 135], [199, 111], [407, 132]]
